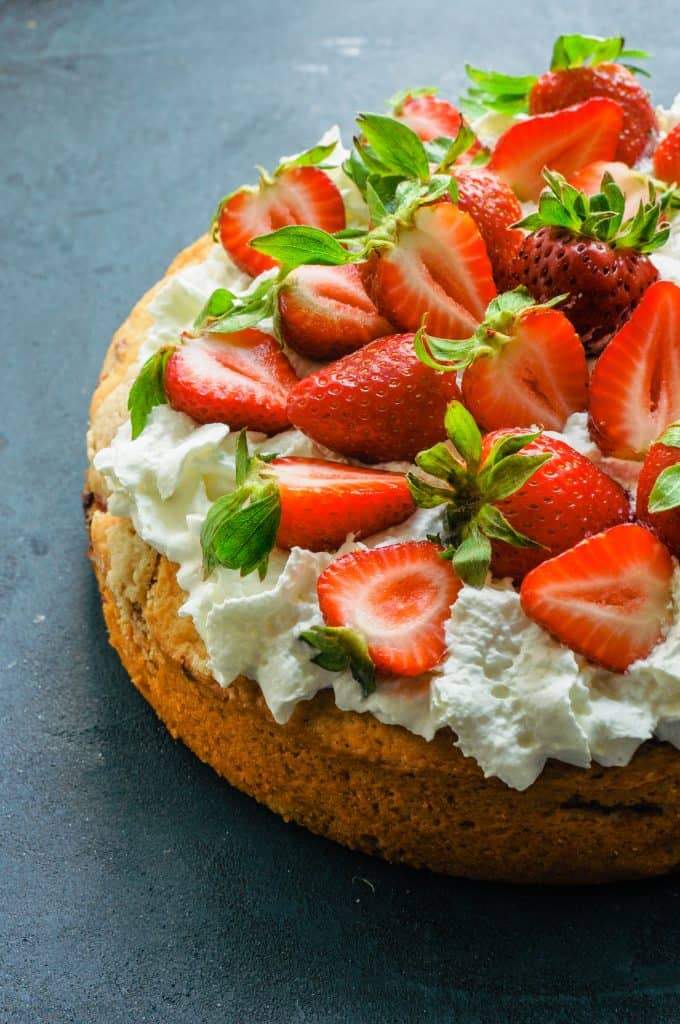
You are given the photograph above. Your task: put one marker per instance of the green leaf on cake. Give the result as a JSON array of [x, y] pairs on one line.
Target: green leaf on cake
[[148, 390]]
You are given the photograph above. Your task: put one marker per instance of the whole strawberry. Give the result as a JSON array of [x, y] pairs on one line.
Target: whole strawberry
[[581, 68], [581, 245], [379, 404], [494, 208], [513, 499], [658, 492]]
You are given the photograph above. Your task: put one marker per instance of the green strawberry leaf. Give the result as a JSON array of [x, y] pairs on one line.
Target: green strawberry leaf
[[444, 151], [425, 495], [472, 557], [240, 536], [671, 436], [148, 389], [310, 158], [509, 444], [439, 461], [244, 462], [342, 648], [665, 493], [489, 90], [356, 170], [510, 474], [464, 433], [396, 146], [494, 524], [298, 244]]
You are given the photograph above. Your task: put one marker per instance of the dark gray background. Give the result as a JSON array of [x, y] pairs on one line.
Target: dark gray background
[[134, 885]]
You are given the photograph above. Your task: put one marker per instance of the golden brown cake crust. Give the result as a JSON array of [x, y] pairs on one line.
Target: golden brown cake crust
[[373, 787]]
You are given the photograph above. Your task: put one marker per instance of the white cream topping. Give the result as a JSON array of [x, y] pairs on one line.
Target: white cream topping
[[513, 695]]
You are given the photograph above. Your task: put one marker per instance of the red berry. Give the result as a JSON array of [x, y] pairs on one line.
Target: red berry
[[667, 157], [494, 207], [666, 525], [429, 116]]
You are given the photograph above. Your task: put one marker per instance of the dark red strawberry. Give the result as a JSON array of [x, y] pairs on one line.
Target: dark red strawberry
[[600, 263], [379, 404], [635, 387], [386, 608], [438, 265], [608, 598], [326, 312], [295, 195], [658, 491], [564, 141], [242, 379]]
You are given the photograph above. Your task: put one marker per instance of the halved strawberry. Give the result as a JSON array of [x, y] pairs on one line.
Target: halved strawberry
[[564, 141], [242, 379], [439, 265], [667, 157], [635, 388], [297, 502], [526, 367], [379, 404], [608, 598], [295, 195], [428, 116], [658, 494], [634, 184], [323, 502], [395, 600], [326, 312]]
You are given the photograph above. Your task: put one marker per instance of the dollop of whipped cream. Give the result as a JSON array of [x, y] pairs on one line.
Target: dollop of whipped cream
[[511, 693]]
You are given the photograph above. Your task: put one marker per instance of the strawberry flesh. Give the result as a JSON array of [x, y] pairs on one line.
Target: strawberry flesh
[[608, 598], [438, 266], [539, 377], [398, 597], [242, 379], [379, 404], [635, 388], [326, 312], [297, 195], [323, 502], [564, 141], [429, 117]]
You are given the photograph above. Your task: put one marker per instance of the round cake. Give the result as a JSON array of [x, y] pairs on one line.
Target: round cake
[[284, 564]]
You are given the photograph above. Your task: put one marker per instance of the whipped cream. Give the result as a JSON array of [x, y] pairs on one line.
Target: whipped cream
[[511, 693]]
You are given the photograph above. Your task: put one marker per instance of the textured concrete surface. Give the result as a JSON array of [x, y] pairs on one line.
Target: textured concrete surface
[[134, 885]]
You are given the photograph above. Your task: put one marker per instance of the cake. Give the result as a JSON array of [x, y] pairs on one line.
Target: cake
[[364, 518]]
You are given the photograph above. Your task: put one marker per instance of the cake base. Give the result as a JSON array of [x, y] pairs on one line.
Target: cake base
[[369, 786]]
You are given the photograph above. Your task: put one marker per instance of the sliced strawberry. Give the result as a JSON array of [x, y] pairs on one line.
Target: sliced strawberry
[[438, 266], [326, 312], [564, 141], [295, 195], [242, 379], [398, 598], [635, 388], [429, 117], [667, 157], [379, 404], [608, 598], [664, 454], [538, 377], [494, 207], [633, 184], [323, 502]]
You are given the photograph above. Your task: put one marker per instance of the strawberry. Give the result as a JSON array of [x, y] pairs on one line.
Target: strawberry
[[385, 610], [494, 208], [658, 494], [635, 388], [428, 116], [296, 502], [608, 598], [513, 499], [438, 265], [582, 246], [326, 312], [564, 142], [524, 365], [634, 184], [242, 379], [379, 404], [667, 157], [294, 195], [582, 68]]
